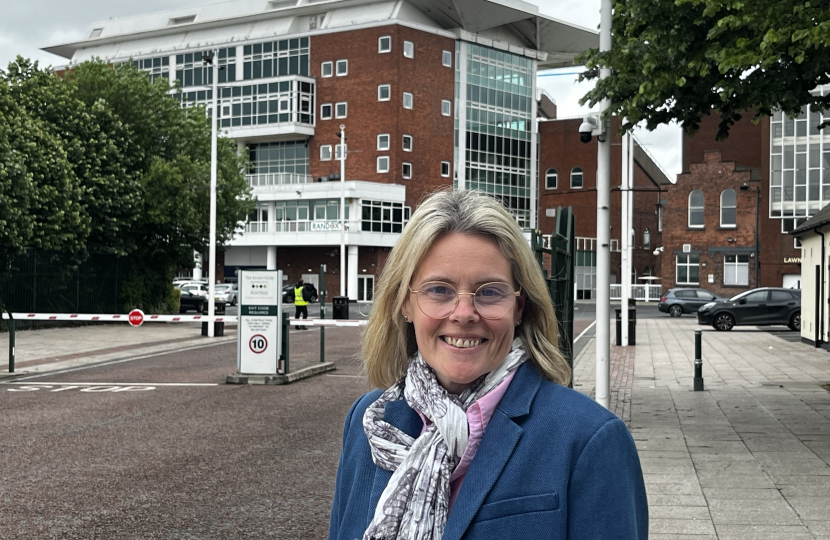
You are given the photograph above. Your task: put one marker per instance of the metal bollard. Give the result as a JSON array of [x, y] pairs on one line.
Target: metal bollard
[[322, 299], [698, 361], [283, 358], [11, 342]]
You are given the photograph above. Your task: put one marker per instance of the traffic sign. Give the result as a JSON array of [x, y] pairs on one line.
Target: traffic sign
[[258, 344], [136, 318]]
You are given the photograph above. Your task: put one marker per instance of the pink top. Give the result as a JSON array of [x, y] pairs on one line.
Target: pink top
[[478, 416]]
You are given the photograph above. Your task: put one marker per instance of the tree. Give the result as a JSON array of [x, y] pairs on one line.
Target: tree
[[685, 59]]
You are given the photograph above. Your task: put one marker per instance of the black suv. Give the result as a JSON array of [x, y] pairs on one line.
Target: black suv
[[758, 307], [288, 292], [676, 302]]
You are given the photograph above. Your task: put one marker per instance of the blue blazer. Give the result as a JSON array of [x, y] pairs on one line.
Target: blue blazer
[[551, 464]]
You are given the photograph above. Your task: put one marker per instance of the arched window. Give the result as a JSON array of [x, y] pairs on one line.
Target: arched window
[[696, 209], [646, 238], [551, 179], [728, 208], [576, 177], [646, 271]]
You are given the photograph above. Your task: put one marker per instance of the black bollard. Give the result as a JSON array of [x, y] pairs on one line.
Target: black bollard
[[698, 361]]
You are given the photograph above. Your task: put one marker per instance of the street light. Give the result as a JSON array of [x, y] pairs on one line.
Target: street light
[[214, 62], [342, 136]]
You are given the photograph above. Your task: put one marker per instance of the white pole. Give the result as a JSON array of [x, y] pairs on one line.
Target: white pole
[[343, 210], [630, 225], [625, 239], [213, 164], [603, 342]]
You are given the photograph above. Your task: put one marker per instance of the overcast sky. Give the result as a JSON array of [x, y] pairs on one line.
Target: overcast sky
[[28, 25]]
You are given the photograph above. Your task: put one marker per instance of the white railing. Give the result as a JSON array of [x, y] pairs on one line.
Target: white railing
[[301, 226], [641, 293], [277, 179]]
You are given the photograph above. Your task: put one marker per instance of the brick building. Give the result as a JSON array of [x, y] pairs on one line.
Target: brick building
[[431, 93], [567, 170]]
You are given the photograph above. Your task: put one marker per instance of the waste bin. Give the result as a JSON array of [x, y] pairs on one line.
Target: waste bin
[[340, 307], [632, 325], [218, 327]]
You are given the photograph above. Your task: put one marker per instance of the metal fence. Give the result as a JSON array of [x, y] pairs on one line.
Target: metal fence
[[641, 293]]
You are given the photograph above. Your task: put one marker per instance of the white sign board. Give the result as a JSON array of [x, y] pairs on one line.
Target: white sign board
[[260, 329]]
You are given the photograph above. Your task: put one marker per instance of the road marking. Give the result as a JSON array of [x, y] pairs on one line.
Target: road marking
[[78, 384], [584, 331], [97, 389], [352, 376]]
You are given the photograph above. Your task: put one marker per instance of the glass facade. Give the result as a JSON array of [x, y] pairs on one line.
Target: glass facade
[[158, 67], [496, 91], [278, 157], [191, 70], [383, 216], [275, 59], [799, 163]]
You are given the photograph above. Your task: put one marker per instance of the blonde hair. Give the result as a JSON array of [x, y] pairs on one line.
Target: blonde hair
[[389, 342]]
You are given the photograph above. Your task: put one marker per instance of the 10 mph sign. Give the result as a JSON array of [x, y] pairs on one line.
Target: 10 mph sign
[[258, 344]]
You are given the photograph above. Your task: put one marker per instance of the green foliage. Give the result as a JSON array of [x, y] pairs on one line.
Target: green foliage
[[685, 59], [104, 161]]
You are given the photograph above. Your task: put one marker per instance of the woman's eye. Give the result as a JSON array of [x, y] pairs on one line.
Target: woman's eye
[[438, 290]]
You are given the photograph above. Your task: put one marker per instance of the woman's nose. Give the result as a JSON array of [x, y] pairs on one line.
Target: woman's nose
[[465, 310]]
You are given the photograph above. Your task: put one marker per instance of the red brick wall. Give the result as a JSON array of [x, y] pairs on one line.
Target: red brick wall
[[424, 76]]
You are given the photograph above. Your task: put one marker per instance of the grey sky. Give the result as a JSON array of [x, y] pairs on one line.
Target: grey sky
[[28, 25]]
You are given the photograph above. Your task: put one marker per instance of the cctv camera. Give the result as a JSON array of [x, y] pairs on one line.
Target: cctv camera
[[585, 129]]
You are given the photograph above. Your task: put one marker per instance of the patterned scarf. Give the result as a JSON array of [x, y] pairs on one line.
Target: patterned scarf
[[415, 503]]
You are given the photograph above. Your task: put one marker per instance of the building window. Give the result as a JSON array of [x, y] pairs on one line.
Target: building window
[[551, 179], [659, 218], [325, 152], [576, 178], [646, 272], [446, 107], [407, 171], [159, 68], [687, 269], [325, 111], [407, 100], [383, 164], [384, 44], [646, 238], [342, 68], [286, 158], [696, 209], [446, 58], [341, 109], [728, 208], [736, 269], [382, 216], [407, 143], [384, 92], [445, 168], [338, 152], [409, 49], [383, 141], [275, 59], [326, 69]]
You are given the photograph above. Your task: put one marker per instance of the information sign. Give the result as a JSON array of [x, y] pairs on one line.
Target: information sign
[[260, 328]]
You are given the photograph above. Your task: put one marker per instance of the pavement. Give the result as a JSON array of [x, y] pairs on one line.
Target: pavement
[[748, 458]]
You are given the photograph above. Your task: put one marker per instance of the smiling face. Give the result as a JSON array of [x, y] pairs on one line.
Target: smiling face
[[464, 346]]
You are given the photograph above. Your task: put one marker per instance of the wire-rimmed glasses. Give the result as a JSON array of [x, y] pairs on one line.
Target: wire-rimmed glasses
[[438, 300]]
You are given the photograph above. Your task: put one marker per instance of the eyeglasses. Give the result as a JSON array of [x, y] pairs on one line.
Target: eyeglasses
[[438, 300]]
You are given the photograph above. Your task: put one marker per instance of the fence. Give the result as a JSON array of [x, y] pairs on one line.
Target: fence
[[641, 293]]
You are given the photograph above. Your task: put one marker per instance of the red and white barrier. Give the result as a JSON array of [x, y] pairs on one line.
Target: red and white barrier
[[171, 318]]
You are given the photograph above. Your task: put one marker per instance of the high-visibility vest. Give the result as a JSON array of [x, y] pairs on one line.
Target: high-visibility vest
[[298, 297]]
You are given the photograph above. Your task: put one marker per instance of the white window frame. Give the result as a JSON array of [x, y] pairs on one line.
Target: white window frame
[[323, 66], [722, 207], [444, 56], [411, 100], [381, 147], [388, 88], [384, 168], [404, 166], [325, 152], [342, 62], [338, 151], [688, 264], [737, 265], [445, 165], [331, 111], [381, 50], [690, 208], [446, 107], [581, 173], [337, 107], [411, 143], [411, 52], [646, 238], [549, 175]]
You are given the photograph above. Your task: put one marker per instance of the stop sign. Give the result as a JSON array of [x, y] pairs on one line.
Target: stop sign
[[136, 317]]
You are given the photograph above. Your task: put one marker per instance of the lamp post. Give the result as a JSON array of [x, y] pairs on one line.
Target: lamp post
[[214, 62], [342, 136]]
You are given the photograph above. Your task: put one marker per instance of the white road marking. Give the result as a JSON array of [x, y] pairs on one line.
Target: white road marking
[[584, 331], [78, 384]]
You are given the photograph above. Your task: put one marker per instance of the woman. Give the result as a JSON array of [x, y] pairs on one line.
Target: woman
[[477, 436]]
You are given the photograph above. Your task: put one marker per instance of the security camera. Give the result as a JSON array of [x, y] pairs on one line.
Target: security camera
[[585, 129], [591, 126]]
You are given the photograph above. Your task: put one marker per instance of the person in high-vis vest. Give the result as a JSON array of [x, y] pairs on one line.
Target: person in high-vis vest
[[300, 303]]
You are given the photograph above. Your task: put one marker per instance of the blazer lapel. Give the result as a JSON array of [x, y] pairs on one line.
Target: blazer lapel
[[399, 414], [497, 446]]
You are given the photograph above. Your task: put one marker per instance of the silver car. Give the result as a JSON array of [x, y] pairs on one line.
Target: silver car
[[227, 293]]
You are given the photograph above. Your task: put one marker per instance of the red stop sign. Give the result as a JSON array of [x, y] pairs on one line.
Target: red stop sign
[[136, 317]]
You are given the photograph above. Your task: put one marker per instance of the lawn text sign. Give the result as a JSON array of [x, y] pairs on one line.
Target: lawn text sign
[[260, 329]]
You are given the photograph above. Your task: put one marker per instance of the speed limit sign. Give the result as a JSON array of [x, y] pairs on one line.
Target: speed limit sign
[[258, 344]]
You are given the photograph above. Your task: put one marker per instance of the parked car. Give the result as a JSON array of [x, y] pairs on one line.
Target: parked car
[[676, 302], [198, 288], [192, 300], [288, 292], [227, 293], [758, 307], [178, 282]]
